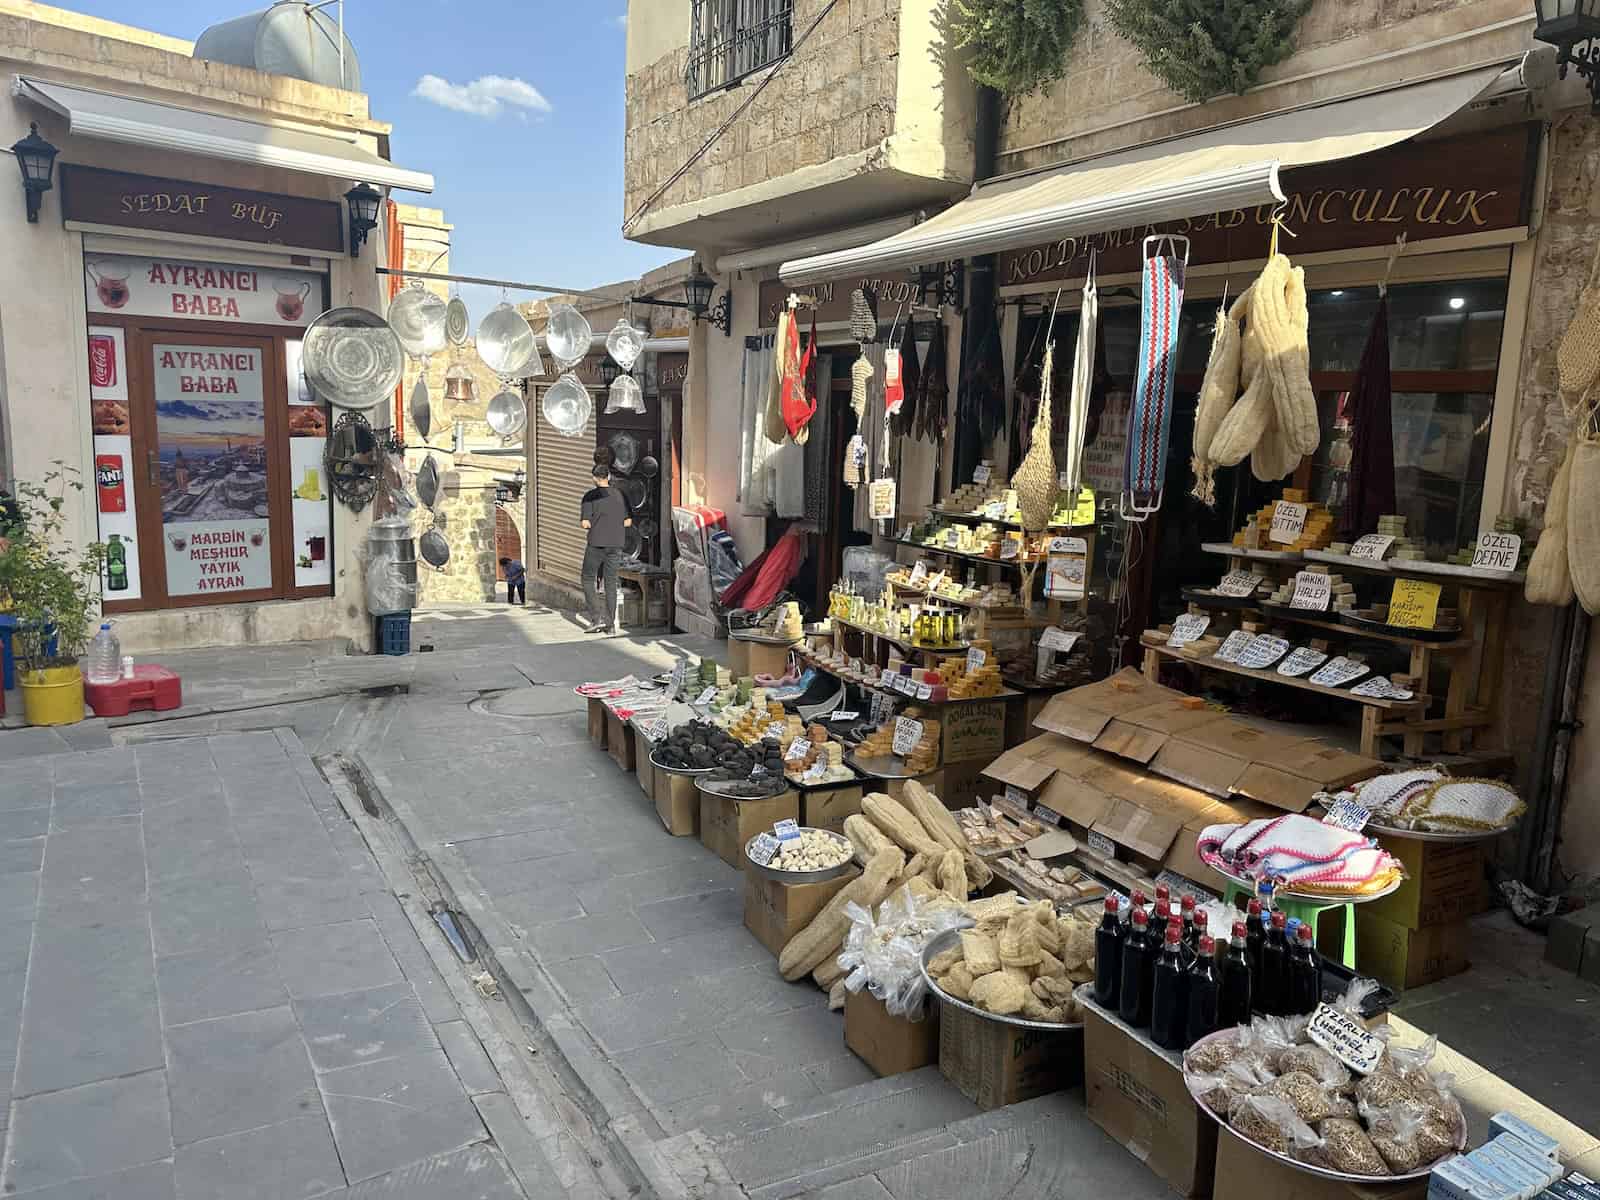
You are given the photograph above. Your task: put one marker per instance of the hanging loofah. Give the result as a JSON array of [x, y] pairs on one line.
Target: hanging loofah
[[1035, 480], [1583, 515], [1549, 576], [1578, 357], [863, 317], [1218, 392]]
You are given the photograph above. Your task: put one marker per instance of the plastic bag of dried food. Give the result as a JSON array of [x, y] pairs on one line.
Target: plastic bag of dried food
[[1239, 1078], [1270, 1123], [1401, 1074], [1215, 1053], [1346, 1147], [1316, 1062], [1311, 1098], [1274, 1037], [883, 951], [1408, 1136], [1355, 997]]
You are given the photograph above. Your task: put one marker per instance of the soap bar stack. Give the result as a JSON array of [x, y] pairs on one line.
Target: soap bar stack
[[1342, 594], [1518, 1162], [1317, 533], [969, 685]]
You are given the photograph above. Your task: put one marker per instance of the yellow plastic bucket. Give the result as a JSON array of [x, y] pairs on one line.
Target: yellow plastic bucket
[[53, 696]]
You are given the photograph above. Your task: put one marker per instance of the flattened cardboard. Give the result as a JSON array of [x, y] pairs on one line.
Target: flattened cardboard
[[1078, 800], [1145, 831], [1169, 716], [1199, 765], [1020, 770], [1290, 777], [1083, 713], [1130, 741]]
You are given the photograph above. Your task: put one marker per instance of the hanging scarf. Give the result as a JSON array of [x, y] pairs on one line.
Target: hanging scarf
[[799, 402], [1372, 435], [1150, 422], [784, 355], [933, 390], [1082, 381]]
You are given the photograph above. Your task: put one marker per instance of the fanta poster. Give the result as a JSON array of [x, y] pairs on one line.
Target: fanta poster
[[203, 291]]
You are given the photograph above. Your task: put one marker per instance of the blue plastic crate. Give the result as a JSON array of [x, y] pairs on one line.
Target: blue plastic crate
[[394, 634]]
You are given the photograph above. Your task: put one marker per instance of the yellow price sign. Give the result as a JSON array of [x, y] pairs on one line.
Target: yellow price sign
[[1414, 604]]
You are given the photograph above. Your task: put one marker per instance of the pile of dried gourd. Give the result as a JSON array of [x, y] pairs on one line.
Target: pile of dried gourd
[[1020, 960], [914, 844]]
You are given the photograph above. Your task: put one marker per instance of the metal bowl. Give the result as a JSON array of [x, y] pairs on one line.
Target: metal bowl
[[777, 876], [434, 549], [938, 945], [686, 771], [508, 414]]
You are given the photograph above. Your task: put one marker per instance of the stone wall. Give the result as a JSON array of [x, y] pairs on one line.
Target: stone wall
[[836, 97], [466, 518], [1107, 100]]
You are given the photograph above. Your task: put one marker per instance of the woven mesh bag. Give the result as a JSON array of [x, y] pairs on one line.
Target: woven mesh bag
[[1035, 480], [1578, 357]]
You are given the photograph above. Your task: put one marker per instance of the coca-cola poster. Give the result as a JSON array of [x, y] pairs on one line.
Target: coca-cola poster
[[201, 291]]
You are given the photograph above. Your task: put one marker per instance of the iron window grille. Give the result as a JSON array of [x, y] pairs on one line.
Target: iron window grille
[[732, 39]]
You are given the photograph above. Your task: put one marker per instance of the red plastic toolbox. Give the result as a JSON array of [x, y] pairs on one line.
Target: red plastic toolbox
[[151, 687]]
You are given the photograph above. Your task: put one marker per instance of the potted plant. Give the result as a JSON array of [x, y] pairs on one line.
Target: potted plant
[[54, 591]]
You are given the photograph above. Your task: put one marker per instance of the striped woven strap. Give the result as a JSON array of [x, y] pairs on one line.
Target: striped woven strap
[[1166, 259]]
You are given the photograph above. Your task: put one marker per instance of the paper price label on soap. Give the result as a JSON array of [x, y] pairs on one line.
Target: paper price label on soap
[[1010, 549], [907, 734], [1059, 640], [1015, 795], [1188, 628], [1301, 661], [1347, 814], [1497, 552], [976, 657], [1340, 671], [1263, 651], [1372, 546], [657, 729], [786, 830], [882, 706], [844, 714], [1414, 604], [1048, 815], [798, 749], [1239, 584], [762, 848], [1379, 688], [1288, 522], [815, 772], [680, 674], [924, 691], [1312, 591], [881, 500], [758, 772], [1233, 646], [1083, 514], [707, 696], [1347, 1039], [919, 572], [995, 510], [981, 473], [774, 730]]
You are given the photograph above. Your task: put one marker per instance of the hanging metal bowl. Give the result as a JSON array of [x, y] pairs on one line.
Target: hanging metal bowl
[[649, 467], [625, 395], [434, 549], [624, 452], [625, 343], [457, 324], [421, 410], [648, 528], [567, 406], [568, 334], [508, 414], [352, 358], [417, 317], [505, 343], [633, 491], [428, 482]]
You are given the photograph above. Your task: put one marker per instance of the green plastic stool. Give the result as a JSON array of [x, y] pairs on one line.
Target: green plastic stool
[[1307, 911]]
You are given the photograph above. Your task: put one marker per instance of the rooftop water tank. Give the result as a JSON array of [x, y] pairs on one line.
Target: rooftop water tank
[[287, 39]]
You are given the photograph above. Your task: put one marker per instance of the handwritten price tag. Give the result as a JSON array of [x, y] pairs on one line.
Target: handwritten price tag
[[980, 474], [1302, 660], [1263, 651], [816, 771], [849, 714], [1010, 549], [787, 830], [907, 734], [707, 696], [1312, 591], [1233, 646], [762, 848], [1347, 814], [919, 572], [1372, 546], [774, 730], [1340, 671], [1239, 583], [881, 500], [1346, 1039], [1380, 688], [1188, 628], [924, 691], [680, 674], [798, 749], [1059, 640], [1497, 552], [976, 657], [1102, 845], [657, 729], [1414, 604], [1288, 522]]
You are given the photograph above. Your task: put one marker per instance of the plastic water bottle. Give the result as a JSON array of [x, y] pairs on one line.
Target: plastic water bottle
[[104, 664]]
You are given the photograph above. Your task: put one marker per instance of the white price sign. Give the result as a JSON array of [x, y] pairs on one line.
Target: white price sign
[[774, 730], [787, 830], [1239, 583], [881, 500], [1497, 552], [1288, 522], [995, 510], [1233, 646], [1009, 549], [907, 734], [1188, 628], [762, 849], [1017, 796], [1347, 1039], [981, 473], [1347, 814], [976, 657], [1301, 661], [1312, 591], [919, 572], [1340, 671], [680, 673], [657, 729], [1379, 688], [1263, 651], [1372, 546], [1102, 845], [844, 714], [952, 538], [798, 749], [1059, 640], [707, 696], [924, 691], [1048, 815], [881, 707]]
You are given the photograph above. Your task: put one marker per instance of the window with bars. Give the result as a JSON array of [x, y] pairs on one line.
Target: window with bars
[[730, 39]]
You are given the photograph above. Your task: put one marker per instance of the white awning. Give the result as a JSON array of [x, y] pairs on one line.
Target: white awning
[[1221, 169], [168, 127]]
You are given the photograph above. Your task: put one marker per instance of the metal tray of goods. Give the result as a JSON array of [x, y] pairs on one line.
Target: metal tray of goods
[[880, 766], [1439, 633], [1287, 1160], [936, 946], [691, 771], [1316, 897], [822, 876], [1456, 837], [743, 789]]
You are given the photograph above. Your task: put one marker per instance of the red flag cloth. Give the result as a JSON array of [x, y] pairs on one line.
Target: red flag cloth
[[768, 573], [1372, 435], [798, 406]]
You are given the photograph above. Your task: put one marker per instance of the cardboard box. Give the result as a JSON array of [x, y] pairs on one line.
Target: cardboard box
[[726, 825], [1244, 1173], [1135, 1092], [677, 803], [965, 784], [642, 766], [1444, 884], [1407, 958], [597, 722], [975, 730], [775, 912], [619, 741], [826, 808], [895, 788], [888, 1044], [746, 658], [993, 1064]]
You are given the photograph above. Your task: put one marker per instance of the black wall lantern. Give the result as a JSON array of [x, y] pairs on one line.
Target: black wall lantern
[[37, 158], [365, 201], [697, 290], [1571, 26]]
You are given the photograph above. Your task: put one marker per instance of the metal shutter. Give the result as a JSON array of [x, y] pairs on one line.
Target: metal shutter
[[562, 470]]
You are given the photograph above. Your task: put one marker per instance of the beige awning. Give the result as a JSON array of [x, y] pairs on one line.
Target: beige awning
[[1221, 169]]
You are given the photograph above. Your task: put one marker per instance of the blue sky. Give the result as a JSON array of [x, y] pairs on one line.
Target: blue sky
[[519, 116]]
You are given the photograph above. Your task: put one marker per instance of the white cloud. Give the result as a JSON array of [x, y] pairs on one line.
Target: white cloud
[[621, 22], [485, 96]]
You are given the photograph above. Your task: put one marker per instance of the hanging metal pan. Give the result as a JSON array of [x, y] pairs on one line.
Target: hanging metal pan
[[434, 549], [352, 358], [428, 482]]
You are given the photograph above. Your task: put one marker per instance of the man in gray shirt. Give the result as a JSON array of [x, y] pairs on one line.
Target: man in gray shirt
[[605, 515]]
